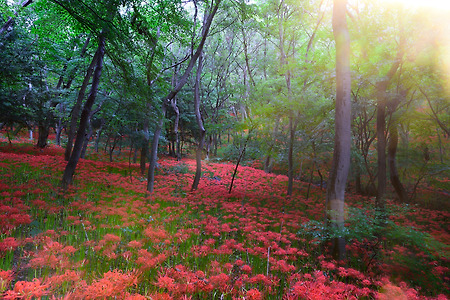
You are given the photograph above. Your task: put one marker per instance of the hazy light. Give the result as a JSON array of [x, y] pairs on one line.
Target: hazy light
[[434, 4]]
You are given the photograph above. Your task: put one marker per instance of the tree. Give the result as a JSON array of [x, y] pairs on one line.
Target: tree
[[201, 128], [10, 21], [85, 114], [382, 99], [195, 55], [335, 200]]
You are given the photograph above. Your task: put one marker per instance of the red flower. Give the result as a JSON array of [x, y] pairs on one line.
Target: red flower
[[254, 294]]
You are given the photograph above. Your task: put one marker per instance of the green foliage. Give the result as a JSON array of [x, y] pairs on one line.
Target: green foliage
[[367, 224], [178, 169]]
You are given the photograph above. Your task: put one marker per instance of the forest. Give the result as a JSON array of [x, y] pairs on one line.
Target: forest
[[224, 149]]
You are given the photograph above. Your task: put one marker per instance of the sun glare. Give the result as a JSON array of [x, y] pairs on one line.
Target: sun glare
[[420, 4]]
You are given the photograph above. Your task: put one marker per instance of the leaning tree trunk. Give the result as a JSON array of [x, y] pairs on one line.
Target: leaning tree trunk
[[76, 108], [342, 140], [76, 152], [88, 136], [202, 131]]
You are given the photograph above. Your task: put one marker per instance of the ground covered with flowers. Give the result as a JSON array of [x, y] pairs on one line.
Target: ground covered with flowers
[[105, 238]]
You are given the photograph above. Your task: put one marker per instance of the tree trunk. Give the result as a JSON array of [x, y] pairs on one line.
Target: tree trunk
[[268, 164], [202, 131], [342, 140], [144, 147], [99, 134], [89, 134], [154, 151], [75, 155], [293, 121], [381, 150], [43, 132], [241, 155], [382, 98], [206, 26], [76, 108], [392, 151], [176, 147], [59, 125]]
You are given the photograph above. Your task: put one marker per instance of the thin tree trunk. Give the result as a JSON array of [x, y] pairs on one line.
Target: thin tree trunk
[[382, 99], [59, 125], [177, 118], [99, 134], [311, 176], [293, 121], [241, 155], [342, 140], [90, 129], [154, 151], [77, 106], [75, 155], [144, 147], [268, 164], [381, 151], [90, 133], [392, 151], [202, 131]]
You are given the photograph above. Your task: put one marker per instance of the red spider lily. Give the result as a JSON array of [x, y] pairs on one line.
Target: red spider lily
[[113, 284], [253, 294], [5, 279], [8, 244], [27, 290]]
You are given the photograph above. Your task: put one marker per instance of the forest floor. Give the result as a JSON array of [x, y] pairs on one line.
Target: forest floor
[[105, 238]]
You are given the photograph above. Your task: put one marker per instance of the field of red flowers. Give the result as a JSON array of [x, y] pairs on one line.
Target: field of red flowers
[[105, 238]]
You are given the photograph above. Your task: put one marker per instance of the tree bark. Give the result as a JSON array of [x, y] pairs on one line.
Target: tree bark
[[154, 151], [381, 145], [43, 130], [99, 134], [174, 105], [268, 163], [241, 155], [393, 171], [88, 136], [76, 108], [75, 155], [144, 147], [90, 132], [335, 199], [202, 131], [293, 121]]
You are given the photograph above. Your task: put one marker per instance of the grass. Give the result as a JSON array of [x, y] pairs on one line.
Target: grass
[[105, 238]]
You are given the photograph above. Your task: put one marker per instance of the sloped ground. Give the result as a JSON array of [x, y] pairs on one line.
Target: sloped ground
[[106, 238]]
